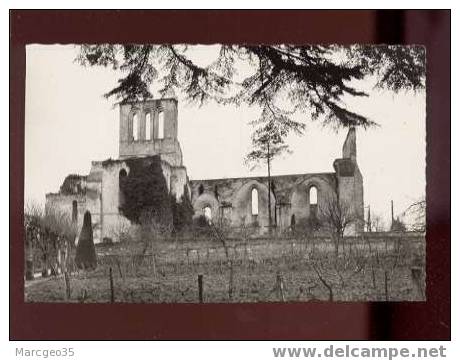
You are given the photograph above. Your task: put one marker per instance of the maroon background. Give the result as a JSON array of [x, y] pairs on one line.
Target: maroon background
[[428, 320]]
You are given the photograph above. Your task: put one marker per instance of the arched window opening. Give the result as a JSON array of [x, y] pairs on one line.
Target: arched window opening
[[148, 126], [121, 195], [313, 202], [74, 211], [255, 202], [135, 129], [200, 189], [313, 195], [207, 213], [161, 125]]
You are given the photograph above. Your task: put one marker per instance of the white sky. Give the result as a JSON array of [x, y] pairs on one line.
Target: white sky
[[68, 124]]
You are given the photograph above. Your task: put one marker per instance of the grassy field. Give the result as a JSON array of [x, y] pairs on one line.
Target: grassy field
[[290, 270]]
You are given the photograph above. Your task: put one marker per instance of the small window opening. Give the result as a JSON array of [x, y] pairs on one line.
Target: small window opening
[[255, 202], [313, 195], [207, 213]]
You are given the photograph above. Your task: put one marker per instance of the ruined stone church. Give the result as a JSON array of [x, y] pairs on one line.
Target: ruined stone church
[[149, 129]]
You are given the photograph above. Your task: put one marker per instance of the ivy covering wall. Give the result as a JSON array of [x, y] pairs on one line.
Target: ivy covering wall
[[146, 193]]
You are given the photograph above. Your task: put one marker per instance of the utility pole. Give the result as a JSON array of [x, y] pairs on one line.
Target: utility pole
[[369, 227], [392, 216], [101, 216]]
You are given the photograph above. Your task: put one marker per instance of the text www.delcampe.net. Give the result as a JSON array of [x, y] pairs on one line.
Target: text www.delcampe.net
[[348, 351]]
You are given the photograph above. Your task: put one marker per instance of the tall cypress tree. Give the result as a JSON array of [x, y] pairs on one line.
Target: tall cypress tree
[[85, 257]]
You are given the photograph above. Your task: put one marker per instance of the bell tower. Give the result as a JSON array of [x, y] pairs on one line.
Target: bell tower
[[150, 128]]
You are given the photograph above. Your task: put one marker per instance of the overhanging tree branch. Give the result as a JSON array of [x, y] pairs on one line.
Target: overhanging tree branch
[[312, 80]]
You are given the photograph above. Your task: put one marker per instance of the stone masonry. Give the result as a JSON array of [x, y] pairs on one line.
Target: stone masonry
[[150, 128]]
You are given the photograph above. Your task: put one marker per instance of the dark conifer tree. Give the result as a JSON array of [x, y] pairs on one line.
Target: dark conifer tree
[[309, 80], [85, 257]]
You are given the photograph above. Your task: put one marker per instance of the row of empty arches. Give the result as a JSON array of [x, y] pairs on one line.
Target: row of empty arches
[[207, 211], [135, 128], [313, 199], [312, 192]]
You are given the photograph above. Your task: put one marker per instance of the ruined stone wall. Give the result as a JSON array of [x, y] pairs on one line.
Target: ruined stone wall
[[168, 146], [359, 201], [350, 182], [93, 205], [64, 205], [99, 193], [231, 199], [178, 181], [111, 221], [87, 197], [169, 149], [301, 205], [349, 150]]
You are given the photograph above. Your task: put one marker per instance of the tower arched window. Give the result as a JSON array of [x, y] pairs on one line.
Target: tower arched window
[[313, 195], [135, 129], [254, 202], [161, 125], [148, 126]]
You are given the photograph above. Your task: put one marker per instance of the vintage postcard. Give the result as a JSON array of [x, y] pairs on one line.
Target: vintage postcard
[[159, 173]]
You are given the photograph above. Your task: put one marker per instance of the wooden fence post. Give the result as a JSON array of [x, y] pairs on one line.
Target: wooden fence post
[[386, 286], [200, 288], [119, 267], [112, 295], [280, 282], [416, 276], [67, 285], [154, 265], [230, 283], [59, 259]]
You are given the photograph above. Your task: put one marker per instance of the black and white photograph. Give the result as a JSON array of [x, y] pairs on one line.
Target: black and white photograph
[[225, 173]]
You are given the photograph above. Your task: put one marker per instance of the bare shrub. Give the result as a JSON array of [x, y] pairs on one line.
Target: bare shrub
[[220, 233], [307, 227], [336, 216], [145, 240], [416, 215], [122, 231], [52, 233], [377, 223]]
